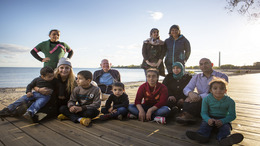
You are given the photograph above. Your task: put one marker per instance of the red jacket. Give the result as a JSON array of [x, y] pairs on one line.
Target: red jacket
[[153, 96]]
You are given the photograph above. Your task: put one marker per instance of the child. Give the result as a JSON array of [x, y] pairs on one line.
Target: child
[[120, 103], [52, 49], [84, 101], [217, 111], [45, 80]]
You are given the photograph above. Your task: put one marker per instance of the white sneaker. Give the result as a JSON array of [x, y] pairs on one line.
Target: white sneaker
[[131, 116], [160, 120]]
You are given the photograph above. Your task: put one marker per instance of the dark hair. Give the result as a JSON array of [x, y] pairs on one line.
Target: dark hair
[[54, 30], [153, 29], [46, 70], [118, 84], [154, 70], [174, 26], [86, 74]]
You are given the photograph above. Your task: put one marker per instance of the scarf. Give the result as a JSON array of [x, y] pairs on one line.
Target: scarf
[[181, 74]]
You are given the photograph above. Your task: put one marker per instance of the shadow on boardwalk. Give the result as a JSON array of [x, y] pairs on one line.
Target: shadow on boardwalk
[[243, 89]]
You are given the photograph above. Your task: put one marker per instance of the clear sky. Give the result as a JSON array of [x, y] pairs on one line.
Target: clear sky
[[116, 29]]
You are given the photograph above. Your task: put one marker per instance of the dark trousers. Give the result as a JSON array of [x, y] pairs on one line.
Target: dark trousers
[[89, 113], [223, 131], [192, 108], [120, 111]]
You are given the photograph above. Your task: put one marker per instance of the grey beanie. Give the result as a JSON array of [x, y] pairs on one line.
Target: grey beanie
[[64, 61]]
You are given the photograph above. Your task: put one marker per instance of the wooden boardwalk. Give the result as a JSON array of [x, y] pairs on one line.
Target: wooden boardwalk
[[244, 89]]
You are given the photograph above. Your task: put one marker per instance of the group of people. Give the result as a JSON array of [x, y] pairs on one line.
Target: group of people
[[58, 93]]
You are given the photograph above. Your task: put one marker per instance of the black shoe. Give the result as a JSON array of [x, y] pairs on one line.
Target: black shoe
[[5, 112], [232, 139], [28, 115], [196, 136], [105, 117]]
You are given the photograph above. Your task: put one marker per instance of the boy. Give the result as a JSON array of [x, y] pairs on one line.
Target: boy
[[217, 111], [120, 103], [45, 80], [84, 101]]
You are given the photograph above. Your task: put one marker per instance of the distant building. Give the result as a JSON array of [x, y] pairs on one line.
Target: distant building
[[257, 64]]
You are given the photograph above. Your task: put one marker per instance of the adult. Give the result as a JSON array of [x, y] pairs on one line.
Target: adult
[[178, 48], [52, 49], [153, 52], [154, 96], [61, 95], [175, 82], [106, 77], [192, 104]]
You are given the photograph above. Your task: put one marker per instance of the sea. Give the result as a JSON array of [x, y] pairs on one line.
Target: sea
[[12, 77]]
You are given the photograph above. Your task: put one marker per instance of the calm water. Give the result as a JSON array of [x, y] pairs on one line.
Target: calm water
[[21, 76]]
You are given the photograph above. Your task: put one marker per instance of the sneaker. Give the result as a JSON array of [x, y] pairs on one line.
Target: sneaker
[[85, 121], [196, 136], [131, 116], [120, 117], [232, 139], [28, 115], [160, 120], [5, 112], [62, 117], [105, 117]]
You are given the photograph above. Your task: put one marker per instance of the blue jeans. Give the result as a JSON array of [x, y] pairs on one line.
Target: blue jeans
[[120, 111], [223, 131], [163, 111], [39, 101]]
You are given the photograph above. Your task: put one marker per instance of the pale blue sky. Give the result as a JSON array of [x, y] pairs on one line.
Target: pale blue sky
[[116, 29]]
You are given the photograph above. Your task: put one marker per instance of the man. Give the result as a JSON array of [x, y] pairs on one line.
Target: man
[[192, 104], [106, 77]]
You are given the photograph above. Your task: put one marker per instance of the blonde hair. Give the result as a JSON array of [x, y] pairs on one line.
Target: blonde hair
[[71, 79], [218, 80]]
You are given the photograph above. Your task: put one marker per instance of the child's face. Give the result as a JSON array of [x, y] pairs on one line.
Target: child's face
[[218, 90], [54, 36], [175, 32], [152, 78], [117, 91], [155, 34], [48, 77], [81, 81]]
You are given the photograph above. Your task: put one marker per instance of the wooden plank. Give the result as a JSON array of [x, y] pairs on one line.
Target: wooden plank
[[12, 135], [79, 134], [148, 135], [110, 135]]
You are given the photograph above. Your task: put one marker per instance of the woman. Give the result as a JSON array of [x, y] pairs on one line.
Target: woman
[[175, 82], [60, 96], [52, 49], [178, 48], [154, 95], [153, 52]]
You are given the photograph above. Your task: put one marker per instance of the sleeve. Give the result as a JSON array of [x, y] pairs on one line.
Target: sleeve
[[191, 85], [203, 95], [69, 50], [35, 55], [205, 110], [73, 98], [187, 50], [31, 85], [70, 54], [108, 102], [118, 76], [125, 102], [163, 51], [95, 77], [96, 101], [139, 95], [163, 97], [231, 113], [144, 51]]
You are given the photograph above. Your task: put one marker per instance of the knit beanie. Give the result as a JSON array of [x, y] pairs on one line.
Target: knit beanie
[[65, 61]]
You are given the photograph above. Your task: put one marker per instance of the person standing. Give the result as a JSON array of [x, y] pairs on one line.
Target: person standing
[[178, 48], [153, 52], [52, 49]]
